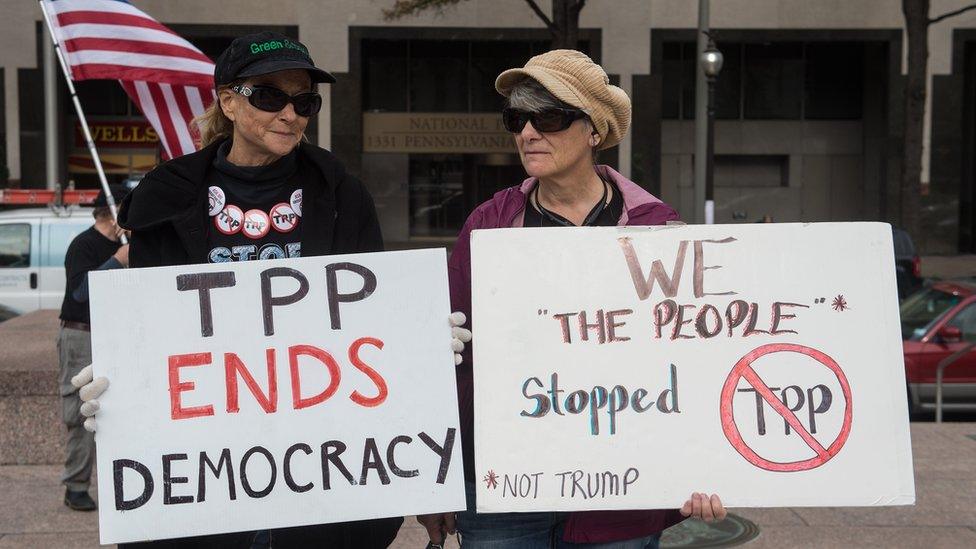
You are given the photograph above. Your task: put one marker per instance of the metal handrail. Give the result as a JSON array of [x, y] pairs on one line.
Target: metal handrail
[[943, 364]]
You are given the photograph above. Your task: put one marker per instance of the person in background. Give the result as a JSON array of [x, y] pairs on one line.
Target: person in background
[[256, 190], [98, 248], [561, 111]]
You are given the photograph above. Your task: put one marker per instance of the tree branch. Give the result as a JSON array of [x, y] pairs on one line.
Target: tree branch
[[945, 16], [542, 15], [403, 8]]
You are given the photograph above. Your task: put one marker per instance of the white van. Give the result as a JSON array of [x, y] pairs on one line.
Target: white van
[[33, 242]]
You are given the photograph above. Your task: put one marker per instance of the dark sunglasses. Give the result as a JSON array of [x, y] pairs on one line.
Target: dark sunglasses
[[270, 99], [546, 121]]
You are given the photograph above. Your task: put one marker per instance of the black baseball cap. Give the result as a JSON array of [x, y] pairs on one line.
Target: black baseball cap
[[263, 53], [118, 193]]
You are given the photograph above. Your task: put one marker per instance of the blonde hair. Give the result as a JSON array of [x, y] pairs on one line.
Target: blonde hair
[[213, 125]]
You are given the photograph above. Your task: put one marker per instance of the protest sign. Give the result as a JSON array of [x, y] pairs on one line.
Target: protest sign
[[625, 368], [267, 394]]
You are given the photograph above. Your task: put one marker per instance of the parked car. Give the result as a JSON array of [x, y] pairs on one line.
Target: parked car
[[33, 242], [937, 322], [908, 266]]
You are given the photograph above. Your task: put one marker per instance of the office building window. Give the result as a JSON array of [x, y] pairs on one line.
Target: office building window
[[440, 75], [773, 81], [834, 81], [384, 62], [770, 81]]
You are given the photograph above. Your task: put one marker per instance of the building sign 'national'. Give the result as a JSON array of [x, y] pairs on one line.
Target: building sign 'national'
[[435, 133]]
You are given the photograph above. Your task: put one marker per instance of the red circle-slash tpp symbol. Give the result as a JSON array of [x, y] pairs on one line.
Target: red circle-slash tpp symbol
[[743, 369]]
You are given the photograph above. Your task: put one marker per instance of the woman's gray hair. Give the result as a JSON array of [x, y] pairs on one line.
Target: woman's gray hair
[[531, 96]]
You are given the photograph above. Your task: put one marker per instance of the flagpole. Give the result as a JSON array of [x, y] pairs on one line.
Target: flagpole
[[51, 115], [84, 121]]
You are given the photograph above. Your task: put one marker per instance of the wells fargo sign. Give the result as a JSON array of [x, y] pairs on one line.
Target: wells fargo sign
[[435, 133], [119, 134]]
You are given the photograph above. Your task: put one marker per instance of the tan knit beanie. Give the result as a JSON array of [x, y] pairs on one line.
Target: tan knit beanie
[[575, 79]]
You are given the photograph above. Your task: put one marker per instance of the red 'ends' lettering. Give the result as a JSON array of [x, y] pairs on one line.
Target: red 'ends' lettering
[[373, 375], [177, 411], [296, 383], [233, 366]]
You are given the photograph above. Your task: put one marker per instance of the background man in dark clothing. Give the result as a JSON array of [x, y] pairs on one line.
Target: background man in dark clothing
[[97, 248]]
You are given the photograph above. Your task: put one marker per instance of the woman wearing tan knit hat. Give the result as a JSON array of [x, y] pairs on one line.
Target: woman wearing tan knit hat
[[561, 110]]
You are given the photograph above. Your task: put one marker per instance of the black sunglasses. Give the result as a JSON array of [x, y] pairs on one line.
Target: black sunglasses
[[546, 121], [269, 99]]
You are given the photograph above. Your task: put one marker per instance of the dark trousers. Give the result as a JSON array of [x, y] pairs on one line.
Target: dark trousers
[[74, 353], [364, 534]]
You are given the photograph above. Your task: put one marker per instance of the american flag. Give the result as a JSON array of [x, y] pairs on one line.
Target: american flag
[[169, 79]]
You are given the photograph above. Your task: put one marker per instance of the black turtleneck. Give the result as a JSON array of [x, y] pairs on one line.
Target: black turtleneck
[[273, 230]]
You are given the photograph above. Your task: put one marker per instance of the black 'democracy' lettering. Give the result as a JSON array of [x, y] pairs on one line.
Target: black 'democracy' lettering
[[169, 480], [371, 460], [330, 453], [445, 452], [202, 475], [390, 450], [274, 472], [289, 480], [122, 504]]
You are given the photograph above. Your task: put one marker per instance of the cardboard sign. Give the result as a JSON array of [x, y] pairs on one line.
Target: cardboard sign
[[625, 368], [266, 394]]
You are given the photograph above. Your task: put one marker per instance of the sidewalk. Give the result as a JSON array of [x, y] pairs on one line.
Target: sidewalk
[[31, 513]]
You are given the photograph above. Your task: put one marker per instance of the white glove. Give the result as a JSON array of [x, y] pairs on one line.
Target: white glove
[[459, 335], [89, 391]]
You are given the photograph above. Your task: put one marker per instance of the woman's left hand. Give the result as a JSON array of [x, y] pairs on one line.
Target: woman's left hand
[[459, 335], [705, 507]]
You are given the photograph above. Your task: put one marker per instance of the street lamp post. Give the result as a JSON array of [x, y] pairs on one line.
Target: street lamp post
[[701, 116], [711, 62]]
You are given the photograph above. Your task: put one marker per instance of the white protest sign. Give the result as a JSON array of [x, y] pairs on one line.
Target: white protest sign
[[625, 368], [267, 394]]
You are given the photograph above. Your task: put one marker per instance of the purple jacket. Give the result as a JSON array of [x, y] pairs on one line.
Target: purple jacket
[[507, 209]]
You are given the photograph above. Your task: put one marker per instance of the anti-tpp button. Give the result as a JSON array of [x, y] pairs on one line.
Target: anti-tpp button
[[296, 202], [230, 220], [284, 218], [256, 224], [216, 199]]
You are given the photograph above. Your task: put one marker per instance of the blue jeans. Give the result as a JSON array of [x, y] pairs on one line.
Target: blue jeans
[[527, 531]]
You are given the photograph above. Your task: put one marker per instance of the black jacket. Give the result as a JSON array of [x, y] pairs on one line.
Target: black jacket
[[168, 211]]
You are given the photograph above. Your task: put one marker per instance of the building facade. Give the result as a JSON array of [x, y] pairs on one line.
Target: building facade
[[809, 104]]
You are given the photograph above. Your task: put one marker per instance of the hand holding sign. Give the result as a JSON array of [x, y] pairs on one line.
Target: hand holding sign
[[439, 526], [89, 390], [704, 507], [459, 335]]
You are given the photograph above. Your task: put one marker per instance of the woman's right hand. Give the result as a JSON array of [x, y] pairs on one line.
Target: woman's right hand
[[439, 526], [89, 390]]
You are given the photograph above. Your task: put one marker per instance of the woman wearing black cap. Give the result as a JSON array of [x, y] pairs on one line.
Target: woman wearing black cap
[[256, 190]]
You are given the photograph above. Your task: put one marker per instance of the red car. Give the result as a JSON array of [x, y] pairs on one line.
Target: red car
[[936, 322]]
